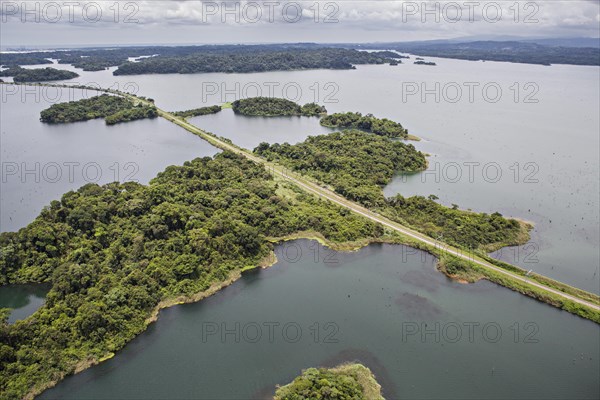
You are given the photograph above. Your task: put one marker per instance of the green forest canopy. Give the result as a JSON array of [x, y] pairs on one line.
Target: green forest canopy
[[354, 162], [369, 123], [38, 74], [198, 111], [114, 109], [272, 106], [251, 59], [358, 164], [111, 253]]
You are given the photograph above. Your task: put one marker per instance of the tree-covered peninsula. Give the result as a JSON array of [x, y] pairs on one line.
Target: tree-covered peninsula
[[114, 110], [369, 123], [345, 382], [21, 75], [113, 254], [357, 164], [272, 107]]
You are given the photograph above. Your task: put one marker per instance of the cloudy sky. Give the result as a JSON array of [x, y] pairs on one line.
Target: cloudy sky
[[60, 23]]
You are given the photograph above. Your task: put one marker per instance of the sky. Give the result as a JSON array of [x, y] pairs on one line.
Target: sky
[[92, 23]]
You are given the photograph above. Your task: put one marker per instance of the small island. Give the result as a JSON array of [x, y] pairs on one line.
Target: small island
[[113, 109], [38, 74], [196, 112], [345, 382], [421, 62], [274, 107], [355, 163], [368, 123]]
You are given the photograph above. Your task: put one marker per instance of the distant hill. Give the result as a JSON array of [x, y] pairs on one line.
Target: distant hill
[[554, 51]]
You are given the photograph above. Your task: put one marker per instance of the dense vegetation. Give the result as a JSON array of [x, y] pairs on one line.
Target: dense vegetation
[[313, 110], [15, 59], [209, 58], [259, 60], [132, 114], [421, 62], [382, 127], [355, 163], [255, 58], [271, 106], [198, 111], [113, 109], [456, 227], [358, 164], [38, 74], [111, 253], [389, 54], [511, 51], [346, 382]]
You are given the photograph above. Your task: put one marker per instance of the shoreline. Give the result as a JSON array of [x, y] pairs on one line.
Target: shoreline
[[478, 272], [271, 259]]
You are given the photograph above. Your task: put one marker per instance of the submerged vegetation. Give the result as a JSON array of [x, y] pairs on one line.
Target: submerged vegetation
[[345, 382], [112, 253], [38, 74], [381, 127], [114, 109], [271, 107]]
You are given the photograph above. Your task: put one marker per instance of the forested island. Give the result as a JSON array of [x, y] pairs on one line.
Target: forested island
[[271, 107], [357, 164], [113, 254], [198, 111], [38, 74], [421, 62], [114, 110], [369, 123], [298, 56], [529, 52], [345, 382]]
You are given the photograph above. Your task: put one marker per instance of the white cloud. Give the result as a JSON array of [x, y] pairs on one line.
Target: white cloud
[[277, 21]]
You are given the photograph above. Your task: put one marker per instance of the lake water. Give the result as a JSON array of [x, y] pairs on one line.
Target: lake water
[[548, 156], [41, 162], [24, 300], [249, 132], [527, 145], [325, 308]]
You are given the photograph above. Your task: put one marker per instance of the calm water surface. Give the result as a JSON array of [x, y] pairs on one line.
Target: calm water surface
[[24, 300], [376, 302]]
